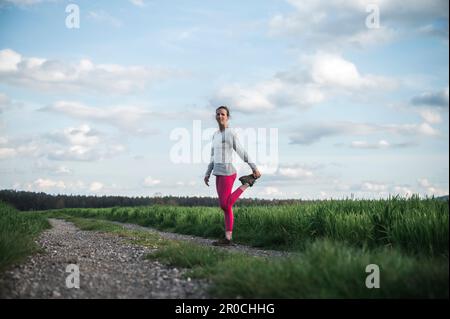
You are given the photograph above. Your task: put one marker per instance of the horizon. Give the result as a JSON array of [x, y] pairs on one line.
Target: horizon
[[406, 197]]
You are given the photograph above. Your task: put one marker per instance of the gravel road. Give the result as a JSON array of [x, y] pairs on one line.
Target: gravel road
[[208, 242], [109, 267]]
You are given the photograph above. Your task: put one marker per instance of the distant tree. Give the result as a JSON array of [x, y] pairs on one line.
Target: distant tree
[[24, 200]]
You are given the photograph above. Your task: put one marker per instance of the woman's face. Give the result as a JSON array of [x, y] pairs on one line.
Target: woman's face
[[221, 117]]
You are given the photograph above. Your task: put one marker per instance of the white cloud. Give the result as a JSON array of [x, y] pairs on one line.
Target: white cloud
[[373, 187], [62, 170], [331, 70], [317, 78], [78, 136], [82, 144], [185, 183], [54, 75], [403, 191], [312, 133], [43, 183], [6, 152], [365, 144], [431, 189], [247, 99], [270, 191], [132, 119], [337, 24], [96, 186], [139, 3], [150, 181], [323, 194], [430, 116], [73, 144], [423, 182], [295, 172], [286, 174], [381, 144], [49, 186], [366, 189], [9, 60], [40, 166], [6, 104]]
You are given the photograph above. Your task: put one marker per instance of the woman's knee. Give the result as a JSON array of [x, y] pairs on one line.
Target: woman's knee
[[224, 205]]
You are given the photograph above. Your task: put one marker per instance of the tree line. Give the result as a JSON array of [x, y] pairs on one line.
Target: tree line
[[24, 200]]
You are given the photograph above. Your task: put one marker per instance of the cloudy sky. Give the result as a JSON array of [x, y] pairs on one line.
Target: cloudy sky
[[358, 95]]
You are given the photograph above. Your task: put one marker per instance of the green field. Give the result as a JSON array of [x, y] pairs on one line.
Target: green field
[[17, 232], [334, 241], [413, 226]]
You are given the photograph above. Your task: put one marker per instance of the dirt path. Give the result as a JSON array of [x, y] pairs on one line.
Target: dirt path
[[109, 267], [208, 242]]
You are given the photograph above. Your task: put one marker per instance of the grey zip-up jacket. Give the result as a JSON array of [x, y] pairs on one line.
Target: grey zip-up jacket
[[223, 144]]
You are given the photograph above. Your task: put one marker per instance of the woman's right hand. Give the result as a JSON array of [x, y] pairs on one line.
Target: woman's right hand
[[256, 174], [206, 180]]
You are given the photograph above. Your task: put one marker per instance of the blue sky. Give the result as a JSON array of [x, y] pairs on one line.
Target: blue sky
[[90, 110]]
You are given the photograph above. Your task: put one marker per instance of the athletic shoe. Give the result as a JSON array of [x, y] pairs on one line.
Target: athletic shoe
[[223, 242], [248, 179]]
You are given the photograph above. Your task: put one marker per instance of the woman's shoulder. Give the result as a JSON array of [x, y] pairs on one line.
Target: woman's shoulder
[[232, 131]]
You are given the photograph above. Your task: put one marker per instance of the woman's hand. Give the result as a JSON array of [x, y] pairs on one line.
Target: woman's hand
[[256, 174], [206, 180]]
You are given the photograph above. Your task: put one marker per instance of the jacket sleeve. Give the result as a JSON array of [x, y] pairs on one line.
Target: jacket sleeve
[[241, 152], [211, 161]]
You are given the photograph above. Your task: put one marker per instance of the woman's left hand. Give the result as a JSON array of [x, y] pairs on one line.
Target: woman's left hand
[[256, 174]]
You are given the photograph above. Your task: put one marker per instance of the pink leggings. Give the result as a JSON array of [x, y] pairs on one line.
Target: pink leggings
[[224, 185]]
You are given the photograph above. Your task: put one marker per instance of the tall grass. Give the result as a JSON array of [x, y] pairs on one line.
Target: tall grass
[[17, 232], [327, 269], [414, 225]]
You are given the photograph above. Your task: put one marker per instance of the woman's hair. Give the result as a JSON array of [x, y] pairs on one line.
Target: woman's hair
[[225, 108]]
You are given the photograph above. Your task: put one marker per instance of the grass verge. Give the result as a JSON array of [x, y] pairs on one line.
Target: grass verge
[[17, 233]]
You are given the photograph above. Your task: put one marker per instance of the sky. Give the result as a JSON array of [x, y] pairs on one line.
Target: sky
[[119, 97]]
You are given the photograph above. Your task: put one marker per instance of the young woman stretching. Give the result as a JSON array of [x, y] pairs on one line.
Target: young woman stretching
[[224, 141]]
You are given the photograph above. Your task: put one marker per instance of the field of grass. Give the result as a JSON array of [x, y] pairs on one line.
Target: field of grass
[[17, 232], [333, 242], [414, 226]]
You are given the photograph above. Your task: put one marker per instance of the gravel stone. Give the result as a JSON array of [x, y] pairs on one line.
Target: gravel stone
[[110, 267]]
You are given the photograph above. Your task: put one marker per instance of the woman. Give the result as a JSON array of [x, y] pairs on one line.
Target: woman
[[224, 141]]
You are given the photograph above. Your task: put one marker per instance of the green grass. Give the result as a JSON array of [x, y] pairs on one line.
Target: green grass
[[17, 233], [413, 225], [332, 270]]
